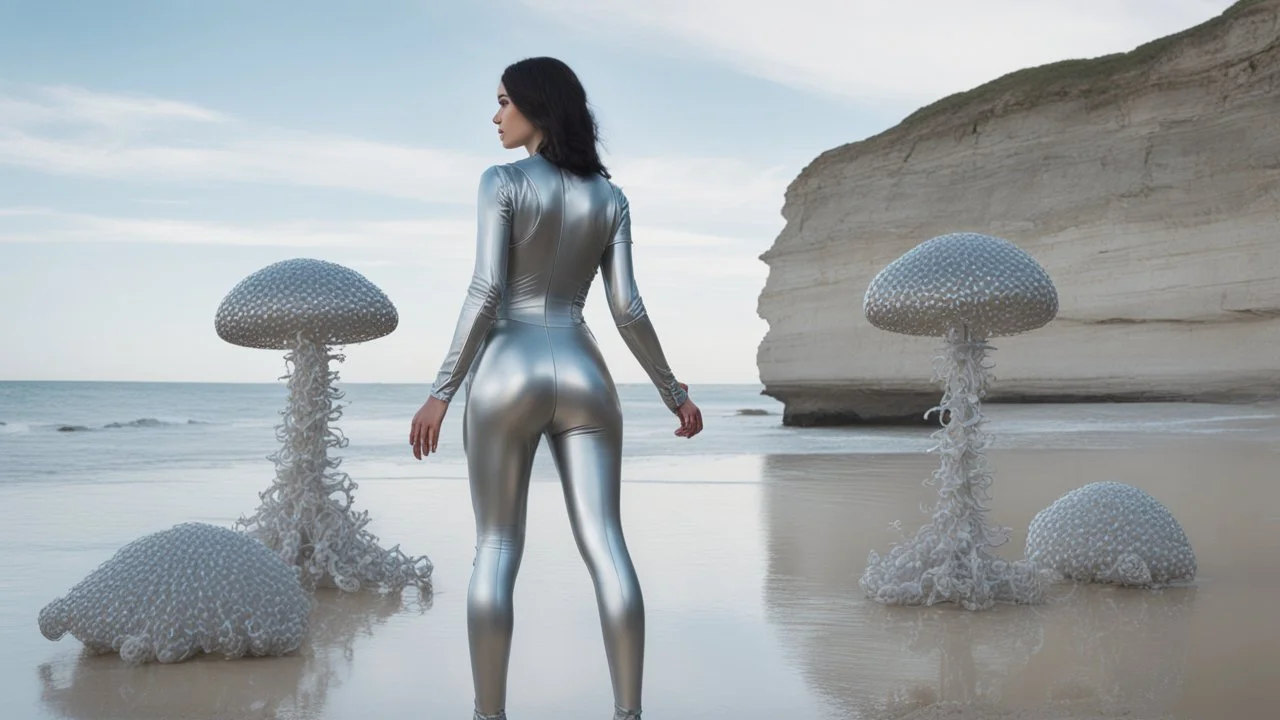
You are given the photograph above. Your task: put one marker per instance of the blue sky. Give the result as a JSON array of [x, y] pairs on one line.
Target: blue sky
[[152, 154]]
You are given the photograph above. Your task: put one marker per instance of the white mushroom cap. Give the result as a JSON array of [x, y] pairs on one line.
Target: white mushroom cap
[[961, 280], [328, 303]]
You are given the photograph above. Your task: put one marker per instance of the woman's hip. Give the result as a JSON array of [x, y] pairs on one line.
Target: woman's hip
[[540, 362]]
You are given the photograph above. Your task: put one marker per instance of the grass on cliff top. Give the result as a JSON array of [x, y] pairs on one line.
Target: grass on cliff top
[[1036, 83]]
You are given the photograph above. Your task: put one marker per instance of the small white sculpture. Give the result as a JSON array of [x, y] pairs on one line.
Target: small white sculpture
[[966, 288], [1109, 532], [304, 306], [190, 589]]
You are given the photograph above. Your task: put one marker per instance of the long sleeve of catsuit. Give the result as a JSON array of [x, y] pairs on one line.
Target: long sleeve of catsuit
[[488, 282], [629, 313]]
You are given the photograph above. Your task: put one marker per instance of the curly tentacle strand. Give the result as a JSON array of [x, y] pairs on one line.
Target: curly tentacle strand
[[306, 514], [949, 559]]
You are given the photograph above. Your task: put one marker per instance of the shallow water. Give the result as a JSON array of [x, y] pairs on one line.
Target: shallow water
[[1184, 652], [749, 541]]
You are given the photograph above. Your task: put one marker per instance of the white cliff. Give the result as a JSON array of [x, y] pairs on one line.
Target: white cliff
[[1147, 184]]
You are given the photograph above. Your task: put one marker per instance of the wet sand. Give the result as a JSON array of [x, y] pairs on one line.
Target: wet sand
[[749, 566]]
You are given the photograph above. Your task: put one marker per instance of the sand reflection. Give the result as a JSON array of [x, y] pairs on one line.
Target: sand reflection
[[1092, 648], [295, 686]]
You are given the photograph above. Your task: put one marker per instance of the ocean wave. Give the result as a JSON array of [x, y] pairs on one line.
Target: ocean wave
[[138, 423]]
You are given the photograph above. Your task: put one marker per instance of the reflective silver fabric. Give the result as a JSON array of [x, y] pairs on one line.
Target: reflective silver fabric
[[533, 370]]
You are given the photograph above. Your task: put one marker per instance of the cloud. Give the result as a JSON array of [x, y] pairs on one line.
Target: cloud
[[114, 109], [877, 52], [23, 211], [75, 132], [440, 237], [82, 133], [440, 240], [66, 104], [703, 191], [663, 255]]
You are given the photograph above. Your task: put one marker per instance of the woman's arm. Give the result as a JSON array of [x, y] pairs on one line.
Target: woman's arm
[[488, 282], [629, 313]]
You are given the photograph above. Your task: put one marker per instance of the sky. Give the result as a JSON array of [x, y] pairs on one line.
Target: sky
[[154, 154]]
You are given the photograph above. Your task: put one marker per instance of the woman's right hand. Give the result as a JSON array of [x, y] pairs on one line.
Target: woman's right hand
[[690, 417], [424, 431]]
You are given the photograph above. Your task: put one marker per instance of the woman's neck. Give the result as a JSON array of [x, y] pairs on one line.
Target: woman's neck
[[534, 143]]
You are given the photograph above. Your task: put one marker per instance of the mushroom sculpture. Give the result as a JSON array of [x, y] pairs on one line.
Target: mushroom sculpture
[[304, 306], [966, 288]]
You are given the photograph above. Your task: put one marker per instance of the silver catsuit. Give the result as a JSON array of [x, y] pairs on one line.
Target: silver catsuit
[[533, 370]]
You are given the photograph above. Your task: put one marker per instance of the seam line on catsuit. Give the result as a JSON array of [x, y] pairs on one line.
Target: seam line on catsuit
[[634, 320], [608, 541], [538, 197], [555, 257], [608, 537]]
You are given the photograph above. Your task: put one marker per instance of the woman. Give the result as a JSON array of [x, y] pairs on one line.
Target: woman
[[547, 223]]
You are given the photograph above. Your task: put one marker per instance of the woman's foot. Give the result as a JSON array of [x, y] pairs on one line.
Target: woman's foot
[[500, 715], [620, 714]]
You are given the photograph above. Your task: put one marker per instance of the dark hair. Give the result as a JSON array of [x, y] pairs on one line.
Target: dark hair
[[548, 93]]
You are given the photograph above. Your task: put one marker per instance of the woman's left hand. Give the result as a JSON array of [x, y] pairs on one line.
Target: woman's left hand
[[424, 433]]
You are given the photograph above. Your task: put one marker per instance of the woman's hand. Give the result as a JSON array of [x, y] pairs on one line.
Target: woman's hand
[[690, 417], [424, 433]]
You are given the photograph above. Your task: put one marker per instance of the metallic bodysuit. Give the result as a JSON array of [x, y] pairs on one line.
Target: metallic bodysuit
[[533, 369]]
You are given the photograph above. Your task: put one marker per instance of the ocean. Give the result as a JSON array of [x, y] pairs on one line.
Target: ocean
[[97, 431]]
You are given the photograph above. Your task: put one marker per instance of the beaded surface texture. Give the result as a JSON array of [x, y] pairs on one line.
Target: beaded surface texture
[[176, 593], [961, 279], [949, 559], [306, 516], [1109, 532], [324, 302], [964, 287]]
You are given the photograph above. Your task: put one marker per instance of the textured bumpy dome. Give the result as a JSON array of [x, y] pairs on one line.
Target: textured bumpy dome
[[328, 303], [193, 588], [1113, 533], [958, 280]]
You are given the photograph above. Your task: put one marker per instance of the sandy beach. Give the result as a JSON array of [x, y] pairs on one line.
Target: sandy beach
[[749, 565]]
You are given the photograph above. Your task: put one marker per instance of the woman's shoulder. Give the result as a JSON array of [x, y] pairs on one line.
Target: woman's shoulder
[[514, 173], [502, 172], [619, 195], [500, 181]]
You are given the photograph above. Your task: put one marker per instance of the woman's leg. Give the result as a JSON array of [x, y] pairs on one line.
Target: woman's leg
[[508, 405], [589, 459], [499, 468]]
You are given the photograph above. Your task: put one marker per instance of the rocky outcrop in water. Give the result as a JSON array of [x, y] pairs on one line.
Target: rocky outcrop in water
[[1146, 183]]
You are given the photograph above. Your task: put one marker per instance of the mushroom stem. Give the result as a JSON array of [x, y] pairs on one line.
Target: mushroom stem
[[949, 559], [306, 514], [964, 476]]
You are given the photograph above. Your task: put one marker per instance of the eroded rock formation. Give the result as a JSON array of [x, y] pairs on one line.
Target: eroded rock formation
[[1146, 183]]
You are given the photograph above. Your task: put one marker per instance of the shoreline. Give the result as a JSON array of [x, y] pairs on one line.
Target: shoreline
[[749, 566]]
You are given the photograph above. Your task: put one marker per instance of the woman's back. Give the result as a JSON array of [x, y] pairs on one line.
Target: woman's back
[[542, 234], [561, 224]]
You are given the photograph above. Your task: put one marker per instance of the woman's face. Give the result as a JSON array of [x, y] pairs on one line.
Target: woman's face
[[514, 129]]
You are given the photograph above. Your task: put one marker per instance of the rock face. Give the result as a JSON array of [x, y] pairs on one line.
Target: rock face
[[1147, 184]]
